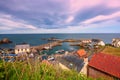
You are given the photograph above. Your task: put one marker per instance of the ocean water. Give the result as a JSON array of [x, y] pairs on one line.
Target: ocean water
[[35, 39]]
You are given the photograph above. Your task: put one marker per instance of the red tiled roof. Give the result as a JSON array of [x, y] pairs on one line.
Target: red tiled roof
[[81, 52], [107, 63]]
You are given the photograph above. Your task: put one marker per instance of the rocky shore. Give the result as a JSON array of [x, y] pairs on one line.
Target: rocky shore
[[5, 41]]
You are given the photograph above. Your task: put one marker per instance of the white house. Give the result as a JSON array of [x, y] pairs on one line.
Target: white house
[[116, 42], [101, 43], [86, 41], [98, 42], [22, 48]]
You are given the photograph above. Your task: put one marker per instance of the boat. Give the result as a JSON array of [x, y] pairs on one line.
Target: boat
[[59, 51], [47, 47], [51, 58]]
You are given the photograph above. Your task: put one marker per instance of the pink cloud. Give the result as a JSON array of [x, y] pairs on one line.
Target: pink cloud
[[113, 3], [69, 19], [101, 18], [77, 5]]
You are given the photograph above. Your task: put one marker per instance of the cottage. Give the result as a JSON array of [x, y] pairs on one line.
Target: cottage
[[86, 41], [22, 48], [101, 43], [116, 42], [104, 66], [81, 53], [98, 42]]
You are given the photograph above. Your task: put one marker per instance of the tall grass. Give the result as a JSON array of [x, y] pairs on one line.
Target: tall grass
[[36, 71]]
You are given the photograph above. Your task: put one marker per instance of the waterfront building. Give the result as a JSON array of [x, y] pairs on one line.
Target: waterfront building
[[98, 42], [101, 43], [22, 48], [86, 41], [104, 66], [116, 42]]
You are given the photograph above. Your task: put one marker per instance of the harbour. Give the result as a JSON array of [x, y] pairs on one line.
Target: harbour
[[76, 57]]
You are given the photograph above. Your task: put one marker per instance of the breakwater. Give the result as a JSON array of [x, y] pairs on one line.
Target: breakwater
[[48, 45]]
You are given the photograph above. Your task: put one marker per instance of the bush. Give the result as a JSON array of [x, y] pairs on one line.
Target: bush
[[2, 71], [36, 71]]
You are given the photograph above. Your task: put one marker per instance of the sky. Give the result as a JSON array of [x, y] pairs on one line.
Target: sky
[[59, 16]]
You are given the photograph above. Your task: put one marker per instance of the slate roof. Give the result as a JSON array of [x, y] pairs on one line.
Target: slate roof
[[22, 46]]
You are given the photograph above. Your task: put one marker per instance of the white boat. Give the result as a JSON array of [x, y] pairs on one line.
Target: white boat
[[47, 47], [51, 58], [59, 51]]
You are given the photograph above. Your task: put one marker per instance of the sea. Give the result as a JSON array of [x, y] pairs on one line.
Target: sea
[[37, 39]]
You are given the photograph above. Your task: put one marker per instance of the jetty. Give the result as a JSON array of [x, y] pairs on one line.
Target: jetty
[[50, 45]]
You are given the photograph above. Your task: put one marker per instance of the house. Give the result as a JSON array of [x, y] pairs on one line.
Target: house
[[81, 53], [98, 42], [104, 66], [71, 61], [116, 42], [101, 43], [22, 48], [84, 68], [86, 41]]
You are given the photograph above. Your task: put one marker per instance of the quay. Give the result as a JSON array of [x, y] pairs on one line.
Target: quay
[[48, 45]]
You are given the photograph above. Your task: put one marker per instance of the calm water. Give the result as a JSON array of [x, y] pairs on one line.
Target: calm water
[[35, 39]]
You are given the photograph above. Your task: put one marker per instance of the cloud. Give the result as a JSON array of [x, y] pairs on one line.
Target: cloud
[[113, 3], [69, 19], [56, 15], [7, 22], [102, 18], [104, 27], [80, 5], [110, 26], [5, 28]]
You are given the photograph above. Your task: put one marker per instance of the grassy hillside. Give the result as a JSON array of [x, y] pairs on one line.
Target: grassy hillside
[[36, 71], [111, 50]]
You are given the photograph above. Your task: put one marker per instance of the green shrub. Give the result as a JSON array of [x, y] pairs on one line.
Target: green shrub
[[2, 71], [36, 71]]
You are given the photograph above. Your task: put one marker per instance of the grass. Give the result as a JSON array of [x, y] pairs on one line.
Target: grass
[[36, 71], [111, 50]]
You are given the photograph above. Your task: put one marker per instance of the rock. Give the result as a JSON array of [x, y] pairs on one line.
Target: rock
[[5, 41], [0, 41]]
